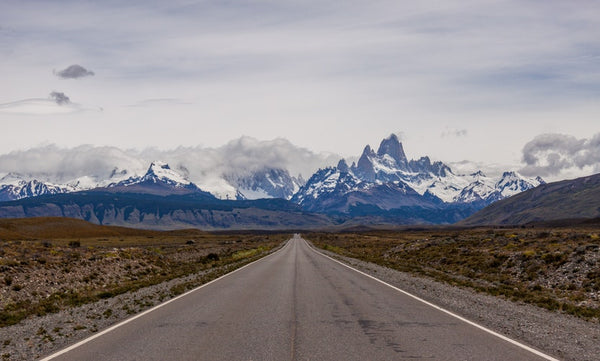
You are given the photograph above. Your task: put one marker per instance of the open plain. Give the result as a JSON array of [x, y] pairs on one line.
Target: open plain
[[64, 280]]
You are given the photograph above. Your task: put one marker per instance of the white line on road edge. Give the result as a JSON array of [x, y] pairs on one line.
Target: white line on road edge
[[113, 327], [505, 338]]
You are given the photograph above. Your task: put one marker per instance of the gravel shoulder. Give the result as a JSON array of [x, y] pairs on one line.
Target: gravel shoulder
[[36, 337], [562, 336]]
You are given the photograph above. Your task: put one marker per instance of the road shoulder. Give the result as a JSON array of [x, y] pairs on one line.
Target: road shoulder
[[560, 335], [40, 336]]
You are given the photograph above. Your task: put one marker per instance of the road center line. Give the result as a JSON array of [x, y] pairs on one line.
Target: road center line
[[294, 323], [483, 328]]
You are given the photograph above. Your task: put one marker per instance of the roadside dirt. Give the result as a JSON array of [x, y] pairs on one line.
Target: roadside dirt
[[39, 336]]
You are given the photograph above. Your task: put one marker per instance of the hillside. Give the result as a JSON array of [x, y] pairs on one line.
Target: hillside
[[60, 227], [175, 211], [569, 199]]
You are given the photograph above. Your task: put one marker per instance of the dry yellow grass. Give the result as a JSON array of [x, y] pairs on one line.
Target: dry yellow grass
[[48, 264], [554, 268]]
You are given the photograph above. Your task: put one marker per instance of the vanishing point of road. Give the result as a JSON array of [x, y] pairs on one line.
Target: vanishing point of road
[[296, 304]]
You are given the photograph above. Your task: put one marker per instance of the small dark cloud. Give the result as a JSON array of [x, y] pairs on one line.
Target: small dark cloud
[[454, 133], [60, 98], [549, 154], [73, 72]]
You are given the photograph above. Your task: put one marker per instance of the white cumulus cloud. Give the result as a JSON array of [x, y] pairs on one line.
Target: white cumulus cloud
[[553, 154], [204, 166]]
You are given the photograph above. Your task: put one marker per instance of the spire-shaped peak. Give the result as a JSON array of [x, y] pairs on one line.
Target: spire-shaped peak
[[365, 164], [342, 166], [368, 151], [392, 147]]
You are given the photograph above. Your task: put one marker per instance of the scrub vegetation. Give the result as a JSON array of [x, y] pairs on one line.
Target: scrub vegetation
[[554, 268], [51, 264]]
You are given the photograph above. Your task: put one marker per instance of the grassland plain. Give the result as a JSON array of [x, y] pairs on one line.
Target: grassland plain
[[92, 276], [554, 268]]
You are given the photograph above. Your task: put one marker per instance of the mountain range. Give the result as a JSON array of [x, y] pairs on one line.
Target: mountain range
[[569, 199], [382, 186], [163, 199], [387, 183]]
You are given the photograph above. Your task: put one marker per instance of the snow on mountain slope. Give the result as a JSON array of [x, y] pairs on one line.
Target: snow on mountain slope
[[11, 179], [90, 182], [446, 188], [17, 186], [158, 172], [262, 183], [512, 183], [19, 189], [265, 183], [388, 164], [159, 179], [328, 181], [481, 189], [161, 172], [431, 180]]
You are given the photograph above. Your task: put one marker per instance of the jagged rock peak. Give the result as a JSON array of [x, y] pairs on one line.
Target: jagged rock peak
[[368, 152], [392, 147], [160, 171], [364, 167], [422, 163], [343, 166]]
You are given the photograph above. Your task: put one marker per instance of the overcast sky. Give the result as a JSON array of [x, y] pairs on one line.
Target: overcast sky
[[513, 83]]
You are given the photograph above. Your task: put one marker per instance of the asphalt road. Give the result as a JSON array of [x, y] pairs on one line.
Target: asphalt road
[[297, 304]]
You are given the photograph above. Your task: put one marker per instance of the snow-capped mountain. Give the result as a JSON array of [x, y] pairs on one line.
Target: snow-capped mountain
[[158, 172], [262, 183], [340, 190], [19, 188], [486, 190], [383, 180], [265, 183], [512, 183], [15, 186], [481, 189], [159, 179], [420, 183], [95, 181]]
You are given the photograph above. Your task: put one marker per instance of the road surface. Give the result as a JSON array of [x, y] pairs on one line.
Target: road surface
[[297, 304]]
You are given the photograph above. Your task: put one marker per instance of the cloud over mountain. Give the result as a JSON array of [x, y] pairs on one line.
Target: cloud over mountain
[[551, 154], [204, 166]]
